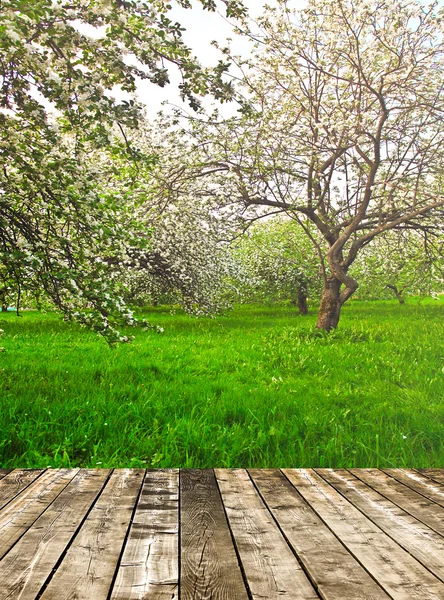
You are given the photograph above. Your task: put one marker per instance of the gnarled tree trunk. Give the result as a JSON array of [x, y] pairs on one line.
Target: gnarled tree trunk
[[398, 293], [333, 297], [330, 307], [4, 299]]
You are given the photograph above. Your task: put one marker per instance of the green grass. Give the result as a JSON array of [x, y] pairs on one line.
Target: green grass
[[258, 387]]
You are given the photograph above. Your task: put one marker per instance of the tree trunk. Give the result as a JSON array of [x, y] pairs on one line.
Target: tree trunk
[[17, 305], [302, 301], [398, 293], [330, 307], [4, 308]]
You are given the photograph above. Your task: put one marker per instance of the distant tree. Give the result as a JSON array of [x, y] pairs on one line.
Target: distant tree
[[341, 124], [188, 262], [400, 263], [70, 176], [279, 263]]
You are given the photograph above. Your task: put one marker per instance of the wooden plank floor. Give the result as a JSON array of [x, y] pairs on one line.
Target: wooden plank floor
[[261, 534]]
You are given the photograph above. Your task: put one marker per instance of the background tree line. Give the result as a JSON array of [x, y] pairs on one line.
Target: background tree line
[[339, 131]]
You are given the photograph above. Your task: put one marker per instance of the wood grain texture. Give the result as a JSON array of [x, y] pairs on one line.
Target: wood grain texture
[[271, 569], [336, 574], [401, 575], [403, 496], [19, 514], [334, 534], [4, 472], [435, 474], [15, 482], [420, 483], [209, 565], [26, 567], [421, 542], [87, 570], [149, 569]]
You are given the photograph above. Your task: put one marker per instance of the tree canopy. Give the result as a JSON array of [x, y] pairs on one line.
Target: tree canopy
[[401, 262], [340, 123], [72, 181], [339, 128], [278, 262]]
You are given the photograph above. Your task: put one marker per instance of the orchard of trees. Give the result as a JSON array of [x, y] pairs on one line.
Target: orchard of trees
[[326, 184]]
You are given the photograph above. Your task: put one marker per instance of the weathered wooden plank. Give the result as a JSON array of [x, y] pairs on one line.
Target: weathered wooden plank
[[401, 575], [410, 501], [271, 569], [209, 565], [336, 574], [24, 509], [420, 483], [425, 545], [15, 482], [88, 568], [149, 569], [26, 567], [4, 472], [435, 474]]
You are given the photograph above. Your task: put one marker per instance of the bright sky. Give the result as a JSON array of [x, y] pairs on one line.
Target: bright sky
[[202, 27]]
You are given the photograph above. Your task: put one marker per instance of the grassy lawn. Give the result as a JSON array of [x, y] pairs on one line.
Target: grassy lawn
[[258, 387]]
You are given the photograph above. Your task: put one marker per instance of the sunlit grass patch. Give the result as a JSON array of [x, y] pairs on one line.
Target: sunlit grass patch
[[259, 387]]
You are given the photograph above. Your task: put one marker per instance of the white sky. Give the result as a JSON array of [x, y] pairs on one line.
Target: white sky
[[202, 27]]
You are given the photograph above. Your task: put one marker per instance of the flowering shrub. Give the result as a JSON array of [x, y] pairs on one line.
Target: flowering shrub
[[71, 179]]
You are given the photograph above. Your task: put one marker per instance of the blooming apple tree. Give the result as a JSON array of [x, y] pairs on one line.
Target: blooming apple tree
[[280, 263], [70, 177], [341, 123], [399, 263], [188, 261]]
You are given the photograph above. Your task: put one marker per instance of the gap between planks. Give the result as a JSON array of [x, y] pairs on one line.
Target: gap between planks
[[295, 534]]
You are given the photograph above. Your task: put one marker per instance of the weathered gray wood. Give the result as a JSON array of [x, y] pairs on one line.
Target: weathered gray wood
[[403, 496], [209, 566], [149, 569], [88, 568], [354, 532], [15, 482], [425, 545], [420, 483], [336, 574], [19, 514], [26, 567], [401, 575], [271, 569], [435, 474], [4, 472]]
